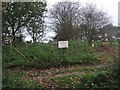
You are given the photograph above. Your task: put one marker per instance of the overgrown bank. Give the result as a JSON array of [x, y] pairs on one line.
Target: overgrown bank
[[48, 55], [19, 72]]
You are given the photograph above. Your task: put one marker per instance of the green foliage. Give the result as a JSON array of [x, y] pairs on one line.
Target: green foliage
[[85, 69], [78, 80], [67, 81], [22, 14], [48, 55], [115, 71], [80, 53], [98, 80], [14, 80], [110, 78]]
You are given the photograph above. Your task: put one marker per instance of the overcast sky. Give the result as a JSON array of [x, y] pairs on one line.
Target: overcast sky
[[109, 6]]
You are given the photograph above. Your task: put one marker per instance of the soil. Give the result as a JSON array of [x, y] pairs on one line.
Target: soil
[[107, 49], [45, 76]]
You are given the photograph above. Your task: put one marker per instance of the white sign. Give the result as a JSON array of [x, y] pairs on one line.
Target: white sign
[[62, 44]]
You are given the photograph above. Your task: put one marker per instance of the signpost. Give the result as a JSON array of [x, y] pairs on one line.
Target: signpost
[[62, 44]]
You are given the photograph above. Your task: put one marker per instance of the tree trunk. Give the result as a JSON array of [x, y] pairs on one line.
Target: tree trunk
[[13, 38]]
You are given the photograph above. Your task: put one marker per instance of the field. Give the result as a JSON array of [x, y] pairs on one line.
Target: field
[[43, 65]]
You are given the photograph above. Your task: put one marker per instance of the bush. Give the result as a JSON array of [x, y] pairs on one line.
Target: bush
[[48, 55]]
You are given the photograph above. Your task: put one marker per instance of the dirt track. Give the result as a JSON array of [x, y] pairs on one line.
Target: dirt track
[[45, 76]]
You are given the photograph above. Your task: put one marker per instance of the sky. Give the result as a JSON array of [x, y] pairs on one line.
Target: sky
[[109, 6]]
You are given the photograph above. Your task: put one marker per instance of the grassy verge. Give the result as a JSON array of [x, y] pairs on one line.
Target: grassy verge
[[14, 80]]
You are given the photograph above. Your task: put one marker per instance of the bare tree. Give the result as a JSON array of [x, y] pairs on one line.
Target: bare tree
[[35, 28], [92, 20], [66, 20]]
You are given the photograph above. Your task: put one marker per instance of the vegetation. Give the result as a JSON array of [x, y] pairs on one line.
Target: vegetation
[[115, 71], [100, 79], [20, 15], [74, 22], [15, 80], [108, 79], [48, 55], [41, 65], [79, 80]]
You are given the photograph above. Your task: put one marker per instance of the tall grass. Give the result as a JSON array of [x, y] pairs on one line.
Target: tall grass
[[42, 55]]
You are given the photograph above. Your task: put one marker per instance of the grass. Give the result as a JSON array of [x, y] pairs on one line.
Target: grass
[[97, 80], [48, 55], [14, 80], [85, 69], [72, 81], [67, 81], [77, 79]]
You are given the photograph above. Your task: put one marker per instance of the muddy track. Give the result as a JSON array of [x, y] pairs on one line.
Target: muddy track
[[45, 76]]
